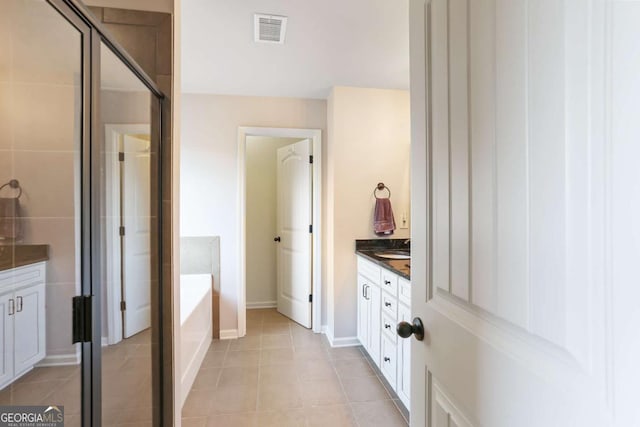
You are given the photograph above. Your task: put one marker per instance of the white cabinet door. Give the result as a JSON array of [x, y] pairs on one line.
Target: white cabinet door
[[30, 321], [363, 313], [403, 383], [374, 297], [6, 340]]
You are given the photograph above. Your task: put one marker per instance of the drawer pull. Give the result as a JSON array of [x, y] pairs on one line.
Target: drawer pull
[[387, 326], [19, 300], [387, 282], [386, 359], [12, 307], [387, 304]]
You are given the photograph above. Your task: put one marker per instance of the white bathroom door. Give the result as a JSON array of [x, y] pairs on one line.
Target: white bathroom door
[[294, 215], [510, 189], [136, 242]]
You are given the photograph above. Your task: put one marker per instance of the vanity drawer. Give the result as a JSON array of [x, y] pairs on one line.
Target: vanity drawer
[[369, 270], [389, 305], [388, 326], [388, 361], [389, 282], [404, 291]]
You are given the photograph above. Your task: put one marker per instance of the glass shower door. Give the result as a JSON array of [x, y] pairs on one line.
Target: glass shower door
[[42, 125]]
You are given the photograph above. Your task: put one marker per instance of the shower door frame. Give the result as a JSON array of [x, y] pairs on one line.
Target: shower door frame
[[93, 35]]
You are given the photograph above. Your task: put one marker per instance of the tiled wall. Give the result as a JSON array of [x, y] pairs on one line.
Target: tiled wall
[[39, 146]]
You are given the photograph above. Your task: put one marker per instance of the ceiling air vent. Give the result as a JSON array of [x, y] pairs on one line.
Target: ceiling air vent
[[269, 28]]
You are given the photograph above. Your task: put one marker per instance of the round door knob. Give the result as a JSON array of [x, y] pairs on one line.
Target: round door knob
[[276, 239], [405, 329]]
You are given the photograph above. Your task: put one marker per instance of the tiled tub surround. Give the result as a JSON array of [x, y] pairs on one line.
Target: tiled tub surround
[[282, 374]]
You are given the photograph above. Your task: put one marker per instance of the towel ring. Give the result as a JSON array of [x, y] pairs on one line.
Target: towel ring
[[381, 187], [13, 184]]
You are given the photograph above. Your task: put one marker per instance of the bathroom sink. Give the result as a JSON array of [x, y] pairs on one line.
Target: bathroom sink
[[393, 255]]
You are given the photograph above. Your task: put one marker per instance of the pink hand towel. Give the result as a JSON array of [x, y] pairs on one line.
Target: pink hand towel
[[383, 221]]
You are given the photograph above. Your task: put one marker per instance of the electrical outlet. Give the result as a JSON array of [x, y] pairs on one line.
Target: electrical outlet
[[404, 220]]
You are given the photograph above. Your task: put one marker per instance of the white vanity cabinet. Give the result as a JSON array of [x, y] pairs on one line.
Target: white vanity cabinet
[[369, 309], [384, 300], [22, 320]]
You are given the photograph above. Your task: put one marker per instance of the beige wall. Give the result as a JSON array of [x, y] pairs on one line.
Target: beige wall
[[209, 170], [261, 186], [368, 142]]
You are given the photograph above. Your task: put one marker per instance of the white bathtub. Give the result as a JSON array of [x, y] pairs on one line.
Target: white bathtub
[[196, 325]]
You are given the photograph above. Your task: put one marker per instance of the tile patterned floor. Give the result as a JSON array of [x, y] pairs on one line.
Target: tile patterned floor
[[126, 390], [282, 374]]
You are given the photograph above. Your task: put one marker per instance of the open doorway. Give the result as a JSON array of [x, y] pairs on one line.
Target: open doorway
[[280, 232]]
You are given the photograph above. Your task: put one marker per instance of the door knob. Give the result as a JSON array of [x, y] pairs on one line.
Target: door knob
[[276, 239], [405, 329]]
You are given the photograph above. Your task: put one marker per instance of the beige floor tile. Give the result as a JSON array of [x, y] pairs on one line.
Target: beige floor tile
[[272, 316], [273, 396], [207, 378], [278, 328], [310, 353], [333, 416], [353, 368], [245, 343], [276, 341], [194, 422], [233, 420], [314, 370], [323, 392], [366, 389], [218, 345], [232, 399], [278, 374], [284, 418], [238, 375], [213, 359], [198, 404], [242, 358], [48, 374], [374, 414], [345, 353], [276, 356]]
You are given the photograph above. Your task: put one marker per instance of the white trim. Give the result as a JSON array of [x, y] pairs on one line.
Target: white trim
[[340, 342], [60, 360], [105, 341], [316, 136], [228, 334], [112, 137], [261, 304]]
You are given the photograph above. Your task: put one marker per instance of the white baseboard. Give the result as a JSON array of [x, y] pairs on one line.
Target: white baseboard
[[228, 334], [105, 341], [261, 304], [60, 360], [340, 342]]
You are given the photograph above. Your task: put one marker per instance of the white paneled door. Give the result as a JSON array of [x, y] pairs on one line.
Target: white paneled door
[[294, 171], [136, 242], [525, 198]]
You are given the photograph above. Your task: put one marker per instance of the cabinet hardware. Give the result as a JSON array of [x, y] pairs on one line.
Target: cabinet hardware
[[19, 303], [276, 239], [387, 304], [12, 307], [387, 326], [387, 282], [386, 359]]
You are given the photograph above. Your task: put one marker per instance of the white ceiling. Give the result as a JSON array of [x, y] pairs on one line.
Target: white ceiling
[[363, 43]]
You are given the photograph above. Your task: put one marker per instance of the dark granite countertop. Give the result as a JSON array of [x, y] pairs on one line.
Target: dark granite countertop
[[368, 249], [12, 256]]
